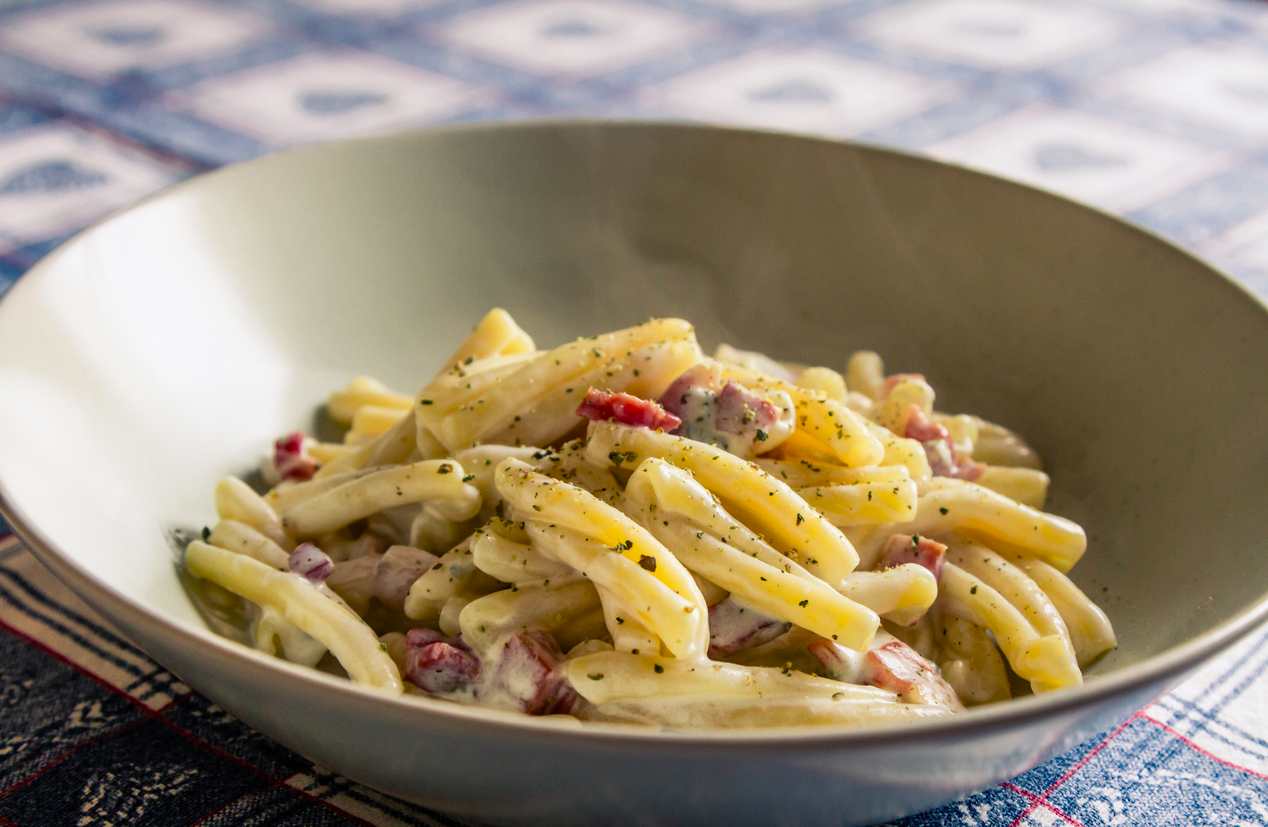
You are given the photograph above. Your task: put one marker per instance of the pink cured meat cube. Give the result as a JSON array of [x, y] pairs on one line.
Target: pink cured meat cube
[[699, 377], [921, 428], [529, 670], [897, 667], [733, 627], [909, 548], [739, 410], [627, 410], [944, 460], [290, 460], [439, 667]]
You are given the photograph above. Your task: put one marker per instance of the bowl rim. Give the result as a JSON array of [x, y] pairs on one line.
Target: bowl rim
[[1156, 669]]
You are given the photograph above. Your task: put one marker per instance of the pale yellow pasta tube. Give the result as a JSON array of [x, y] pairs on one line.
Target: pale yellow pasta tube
[[864, 503], [825, 381], [681, 623], [361, 392], [571, 464], [392, 447], [1044, 660], [949, 506], [961, 428], [450, 618], [455, 571], [642, 676], [432, 530], [826, 420], [752, 713], [543, 604], [302, 603], [865, 373], [460, 425], [236, 501], [996, 445], [902, 451], [1014, 584], [910, 389], [457, 388], [276, 635], [759, 362], [372, 420], [548, 501], [437, 481], [902, 593], [683, 694], [800, 445], [1028, 486], [496, 334], [513, 562], [613, 550], [763, 503], [971, 663], [244, 539], [753, 571], [1091, 632], [645, 371], [481, 464], [324, 452], [804, 473], [803, 600], [627, 633], [289, 494]]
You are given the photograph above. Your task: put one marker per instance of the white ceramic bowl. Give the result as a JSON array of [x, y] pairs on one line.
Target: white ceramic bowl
[[165, 347]]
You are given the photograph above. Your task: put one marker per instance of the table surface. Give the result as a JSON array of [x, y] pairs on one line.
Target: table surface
[[1156, 110]]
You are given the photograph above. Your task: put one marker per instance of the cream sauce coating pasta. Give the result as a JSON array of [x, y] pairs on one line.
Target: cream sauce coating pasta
[[621, 528]]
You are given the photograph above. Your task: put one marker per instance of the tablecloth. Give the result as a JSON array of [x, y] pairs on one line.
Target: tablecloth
[[1155, 109]]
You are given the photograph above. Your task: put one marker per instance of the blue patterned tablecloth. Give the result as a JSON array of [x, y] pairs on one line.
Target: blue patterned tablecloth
[[1154, 109]]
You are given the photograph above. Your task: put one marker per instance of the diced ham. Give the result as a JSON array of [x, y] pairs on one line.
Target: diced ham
[[839, 662], [310, 562], [353, 580], [422, 636], [726, 414], [525, 674], [889, 664], [733, 627], [895, 666], [908, 548], [944, 460], [739, 410], [701, 377], [627, 410], [921, 428], [289, 460], [439, 667], [396, 571], [528, 671]]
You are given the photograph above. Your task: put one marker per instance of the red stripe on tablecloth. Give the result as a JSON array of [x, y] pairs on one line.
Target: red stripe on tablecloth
[[1078, 765], [176, 728], [67, 755], [111, 134], [1186, 739], [1036, 802]]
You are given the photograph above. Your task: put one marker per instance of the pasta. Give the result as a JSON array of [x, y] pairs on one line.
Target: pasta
[[622, 528]]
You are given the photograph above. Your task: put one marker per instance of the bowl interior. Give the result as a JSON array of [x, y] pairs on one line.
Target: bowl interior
[[166, 347]]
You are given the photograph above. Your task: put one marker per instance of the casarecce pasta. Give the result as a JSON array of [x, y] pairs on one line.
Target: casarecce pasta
[[623, 528]]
